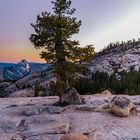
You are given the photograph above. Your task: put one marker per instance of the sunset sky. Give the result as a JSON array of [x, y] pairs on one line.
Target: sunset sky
[[103, 21]]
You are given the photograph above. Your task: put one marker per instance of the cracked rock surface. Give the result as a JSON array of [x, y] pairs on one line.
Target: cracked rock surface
[[35, 118]]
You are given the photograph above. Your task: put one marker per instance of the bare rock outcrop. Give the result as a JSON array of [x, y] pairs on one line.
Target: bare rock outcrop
[[23, 93], [121, 106], [55, 110], [35, 118], [117, 58], [71, 97], [47, 125]]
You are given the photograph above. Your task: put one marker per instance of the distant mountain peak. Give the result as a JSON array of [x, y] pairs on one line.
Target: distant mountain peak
[[14, 72], [24, 63]]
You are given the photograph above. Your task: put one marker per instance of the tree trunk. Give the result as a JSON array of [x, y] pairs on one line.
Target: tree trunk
[[60, 70], [60, 56]]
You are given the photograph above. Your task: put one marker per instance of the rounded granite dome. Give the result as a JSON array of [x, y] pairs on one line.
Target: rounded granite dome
[[24, 63]]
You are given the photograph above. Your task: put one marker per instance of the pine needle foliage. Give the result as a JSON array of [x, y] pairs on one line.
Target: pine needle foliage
[[53, 33]]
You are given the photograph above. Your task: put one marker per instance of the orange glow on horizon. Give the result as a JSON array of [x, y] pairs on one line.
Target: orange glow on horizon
[[13, 52]]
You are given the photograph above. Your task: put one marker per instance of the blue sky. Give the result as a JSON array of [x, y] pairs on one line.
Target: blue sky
[[103, 21]]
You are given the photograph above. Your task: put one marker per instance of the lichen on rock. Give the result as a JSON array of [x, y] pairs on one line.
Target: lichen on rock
[[121, 106]]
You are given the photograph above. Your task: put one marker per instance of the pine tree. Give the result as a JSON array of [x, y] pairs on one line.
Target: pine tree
[[53, 31]]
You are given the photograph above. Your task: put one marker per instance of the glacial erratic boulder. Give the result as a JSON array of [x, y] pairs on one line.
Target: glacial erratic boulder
[[71, 97], [121, 106], [106, 93]]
